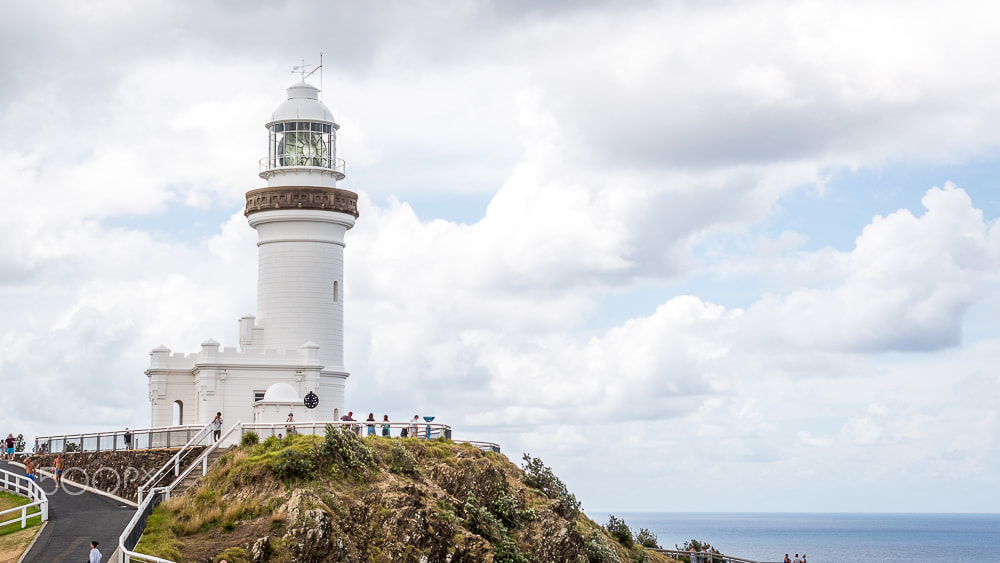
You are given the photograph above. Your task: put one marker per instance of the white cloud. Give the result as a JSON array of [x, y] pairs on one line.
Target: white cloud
[[618, 148]]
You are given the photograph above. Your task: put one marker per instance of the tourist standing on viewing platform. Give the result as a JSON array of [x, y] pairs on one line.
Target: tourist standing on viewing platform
[[371, 427], [128, 439], [385, 426], [414, 426]]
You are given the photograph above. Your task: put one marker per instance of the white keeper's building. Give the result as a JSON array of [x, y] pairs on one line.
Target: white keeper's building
[[295, 344]]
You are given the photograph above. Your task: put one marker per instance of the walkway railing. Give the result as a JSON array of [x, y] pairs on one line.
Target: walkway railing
[[697, 557], [153, 491], [175, 463], [21, 485], [141, 439], [422, 430]]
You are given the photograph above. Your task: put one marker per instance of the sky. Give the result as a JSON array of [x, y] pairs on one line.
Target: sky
[[695, 256]]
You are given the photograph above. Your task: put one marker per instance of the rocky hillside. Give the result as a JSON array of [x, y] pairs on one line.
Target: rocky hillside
[[343, 498]]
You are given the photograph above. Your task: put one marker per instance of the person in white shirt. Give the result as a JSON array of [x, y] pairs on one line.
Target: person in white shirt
[[95, 556], [217, 426]]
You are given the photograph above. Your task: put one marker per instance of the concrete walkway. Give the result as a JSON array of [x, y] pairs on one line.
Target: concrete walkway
[[75, 518]]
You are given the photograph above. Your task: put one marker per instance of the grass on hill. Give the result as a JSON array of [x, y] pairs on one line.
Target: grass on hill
[[10, 500]]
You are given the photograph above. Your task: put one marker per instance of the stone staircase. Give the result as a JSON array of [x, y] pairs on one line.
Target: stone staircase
[[193, 477]]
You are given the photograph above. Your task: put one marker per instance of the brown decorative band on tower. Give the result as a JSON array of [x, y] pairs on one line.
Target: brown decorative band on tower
[[301, 197]]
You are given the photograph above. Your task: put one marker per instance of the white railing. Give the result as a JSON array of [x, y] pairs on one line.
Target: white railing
[[424, 430], [21, 485], [703, 557], [141, 439], [175, 461], [150, 494], [203, 459]]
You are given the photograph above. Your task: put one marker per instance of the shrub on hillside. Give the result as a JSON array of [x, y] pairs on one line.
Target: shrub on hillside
[[538, 476], [292, 464], [620, 531], [249, 439], [402, 461], [645, 538], [597, 550], [343, 447]]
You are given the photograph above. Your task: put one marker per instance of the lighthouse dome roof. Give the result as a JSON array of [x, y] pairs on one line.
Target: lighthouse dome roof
[[302, 104], [281, 393]]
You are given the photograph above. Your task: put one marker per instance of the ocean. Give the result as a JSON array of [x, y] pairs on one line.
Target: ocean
[[828, 538]]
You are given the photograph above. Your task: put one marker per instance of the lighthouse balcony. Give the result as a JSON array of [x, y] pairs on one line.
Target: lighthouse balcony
[[316, 164]]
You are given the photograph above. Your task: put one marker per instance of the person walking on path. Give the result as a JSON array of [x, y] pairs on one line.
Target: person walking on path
[[59, 463], [385, 426], [9, 443], [217, 427], [95, 556], [29, 468], [128, 439]]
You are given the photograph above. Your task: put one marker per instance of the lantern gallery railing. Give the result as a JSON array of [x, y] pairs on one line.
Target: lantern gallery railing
[[271, 163], [138, 439]]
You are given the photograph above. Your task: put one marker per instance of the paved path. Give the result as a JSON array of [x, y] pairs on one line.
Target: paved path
[[75, 518]]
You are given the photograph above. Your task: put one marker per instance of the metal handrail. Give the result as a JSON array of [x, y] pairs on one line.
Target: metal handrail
[[202, 459], [317, 427], [436, 430], [173, 462], [141, 513], [162, 493], [273, 163], [117, 436], [703, 557]]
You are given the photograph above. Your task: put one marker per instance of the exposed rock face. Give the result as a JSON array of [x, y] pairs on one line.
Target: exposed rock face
[[117, 472]]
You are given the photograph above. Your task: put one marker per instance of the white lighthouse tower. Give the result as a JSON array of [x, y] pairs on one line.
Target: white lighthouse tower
[[296, 341]]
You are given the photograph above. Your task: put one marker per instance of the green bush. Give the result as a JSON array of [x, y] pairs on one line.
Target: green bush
[[291, 464], [402, 461], [249, 439], [506, 508], [343, 447], [479, 520], [597, 550], [620, 531], [645, 538], [540, 477]]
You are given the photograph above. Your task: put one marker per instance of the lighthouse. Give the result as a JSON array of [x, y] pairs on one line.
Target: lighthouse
[[295, 344]]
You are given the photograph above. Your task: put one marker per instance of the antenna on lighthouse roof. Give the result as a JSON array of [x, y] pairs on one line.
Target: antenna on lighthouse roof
[[303, 70]]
